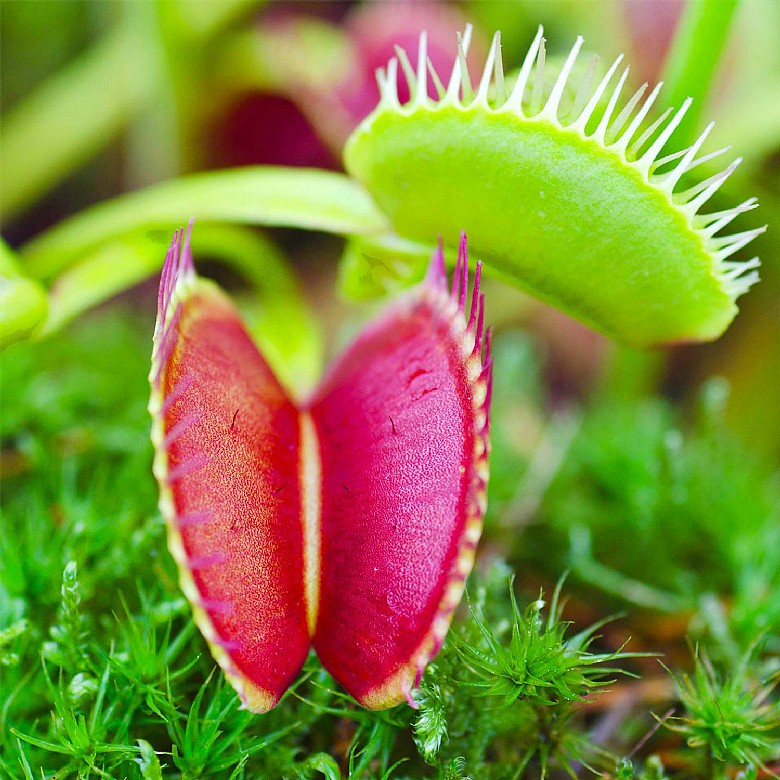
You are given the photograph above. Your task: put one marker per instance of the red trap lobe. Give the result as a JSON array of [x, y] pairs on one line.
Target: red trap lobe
[[350, 522]]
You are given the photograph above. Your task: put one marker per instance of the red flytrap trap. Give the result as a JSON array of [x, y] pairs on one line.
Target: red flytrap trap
[[347, 523]]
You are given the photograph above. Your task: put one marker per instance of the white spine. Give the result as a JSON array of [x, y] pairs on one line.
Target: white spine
[[537, 94], [655, 149], [584, 91], [669, 182], [711, 223], [737, 241], [422, 70], [622, 117], [440, 89], [456, 78], [708, 189], [600, 133], [392, 83], [408, 70], [634, 149], [550, 110], [587, 112], [515, 101], [708, 157], [621, 144], [487, 74]]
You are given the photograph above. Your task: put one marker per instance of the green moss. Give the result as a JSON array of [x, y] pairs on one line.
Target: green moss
[[94, 629]]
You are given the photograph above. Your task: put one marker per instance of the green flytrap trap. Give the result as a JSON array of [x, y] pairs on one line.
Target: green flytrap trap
[[561, 189], [347, 520]]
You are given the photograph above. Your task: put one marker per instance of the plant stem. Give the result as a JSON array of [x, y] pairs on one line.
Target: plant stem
[[694, 58], [287, 197]]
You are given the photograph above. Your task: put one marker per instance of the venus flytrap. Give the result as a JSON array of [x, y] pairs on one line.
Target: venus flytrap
[[285, 537], [513, 708], [487, 737], [553, 195], [578, 204]]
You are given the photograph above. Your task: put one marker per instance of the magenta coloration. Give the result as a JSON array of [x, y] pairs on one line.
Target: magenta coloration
[[224, 445], [402, 419], [349, 523]]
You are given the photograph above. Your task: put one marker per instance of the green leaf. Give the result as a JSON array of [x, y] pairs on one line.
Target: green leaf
[[693, 59], [104, 272], [23, 303], [22, 308], [283, 197], [277, 314]]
